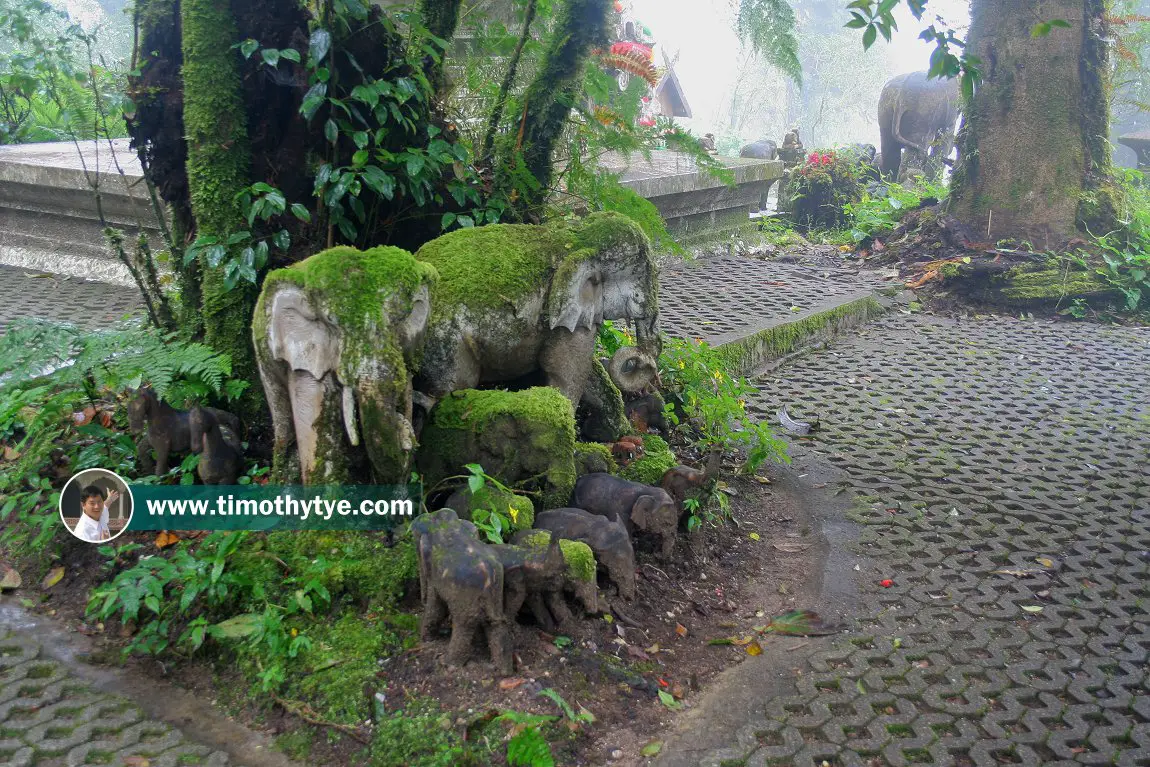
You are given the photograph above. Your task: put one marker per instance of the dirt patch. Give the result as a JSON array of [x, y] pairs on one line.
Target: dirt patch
[[721, 581]]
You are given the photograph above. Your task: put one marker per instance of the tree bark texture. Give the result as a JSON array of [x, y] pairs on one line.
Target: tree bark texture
[[1033, 142], [215, 125], [581, 26]]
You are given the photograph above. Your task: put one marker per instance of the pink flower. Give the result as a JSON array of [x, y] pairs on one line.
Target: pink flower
[[813, 158], [827, 159]]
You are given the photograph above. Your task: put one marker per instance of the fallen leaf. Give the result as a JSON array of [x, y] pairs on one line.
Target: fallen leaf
[[754, 536], [165, 539], [635, 652], [762, 480], [136, 761], [668, 700], [652, 748], [742, 642], [680, 629], [783, 589], [653, 648], [11, 579], [240, 625], [10, 454], [677, 691], [608, 617], [511, 682], [1045, 561], [1032, 608], [53, 577], [1019, 571], [727, 641], [754, 648]]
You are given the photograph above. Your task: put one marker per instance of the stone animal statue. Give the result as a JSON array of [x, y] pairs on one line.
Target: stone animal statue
[[638, 506], [165, 429], [526, 439], [517, 300], [546, 583], [647, 412], [336, 337], [608, 539], [534, 575], [627, 449], [763, 149], [465, 579], [913, 113], [792, 149], [220, 449], [681, 481]]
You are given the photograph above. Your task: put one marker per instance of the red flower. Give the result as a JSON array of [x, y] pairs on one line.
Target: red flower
[[827, 159], [813, 158]]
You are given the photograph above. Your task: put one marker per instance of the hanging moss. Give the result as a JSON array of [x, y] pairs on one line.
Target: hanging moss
[[215, 125]]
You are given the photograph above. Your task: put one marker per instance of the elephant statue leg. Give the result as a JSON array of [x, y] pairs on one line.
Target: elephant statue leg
[[566, 360], [462, 635], [434, 611], [558, 607]]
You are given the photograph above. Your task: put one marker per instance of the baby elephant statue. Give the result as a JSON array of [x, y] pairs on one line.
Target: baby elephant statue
[[336, 336], [608, 539], [165, 429], [535, 576], [466, 580], [515, 301], [221, 453], [681, 481], [637, 506]]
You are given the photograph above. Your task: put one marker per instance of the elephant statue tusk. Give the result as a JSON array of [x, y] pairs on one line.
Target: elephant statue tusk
[[349, 415]]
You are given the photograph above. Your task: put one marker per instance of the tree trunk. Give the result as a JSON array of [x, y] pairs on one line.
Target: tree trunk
[[215, 124], [581, 26], [1033, 152]]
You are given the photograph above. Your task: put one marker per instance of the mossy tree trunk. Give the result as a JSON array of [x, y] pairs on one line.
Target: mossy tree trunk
[[441, 17], [215, 125], [1033, 143], [581, 26]]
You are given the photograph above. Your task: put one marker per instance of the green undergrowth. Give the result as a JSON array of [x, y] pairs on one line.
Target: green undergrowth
[[880, 212]]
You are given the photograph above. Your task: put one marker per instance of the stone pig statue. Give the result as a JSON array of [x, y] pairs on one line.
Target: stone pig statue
[[608, 539], [637, 506]]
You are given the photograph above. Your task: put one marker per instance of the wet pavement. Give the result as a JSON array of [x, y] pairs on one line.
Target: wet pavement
[[1002, 544]]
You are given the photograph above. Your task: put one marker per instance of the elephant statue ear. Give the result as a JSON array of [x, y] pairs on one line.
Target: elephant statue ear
[[576, 297], [300, 337], [642, 513], [412, 327]]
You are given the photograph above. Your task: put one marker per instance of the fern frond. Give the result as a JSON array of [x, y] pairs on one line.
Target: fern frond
[[769, 27]]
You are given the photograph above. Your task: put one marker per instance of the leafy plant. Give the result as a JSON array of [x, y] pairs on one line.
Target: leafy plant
[[820, 188], [710, 404], [881, 212], [1126, 252]]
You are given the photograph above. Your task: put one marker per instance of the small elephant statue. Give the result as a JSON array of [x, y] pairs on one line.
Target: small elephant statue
[[763, 149], [165, 429], [220, 449], [535, 576], [637, 506], [336, 338], [515, 301], [917, 113], [680, 481], [608, 539], [465, 579]]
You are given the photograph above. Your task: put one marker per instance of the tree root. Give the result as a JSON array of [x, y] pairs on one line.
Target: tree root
[[306, 713]]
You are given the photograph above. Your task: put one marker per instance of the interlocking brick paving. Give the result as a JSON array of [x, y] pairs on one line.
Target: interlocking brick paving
[[91, 305], [51, 719], [724, 298], [1005, 473]]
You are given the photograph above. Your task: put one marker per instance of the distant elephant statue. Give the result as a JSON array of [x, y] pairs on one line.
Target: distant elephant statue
[[336, 337], [763, 149], [516, 301], [918, 114]]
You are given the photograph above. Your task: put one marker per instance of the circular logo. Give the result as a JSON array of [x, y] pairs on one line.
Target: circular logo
[[96, 505]]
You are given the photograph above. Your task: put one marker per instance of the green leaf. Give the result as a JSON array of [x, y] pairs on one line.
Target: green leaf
[[291, 54], [248, 47], [361, 139], [379, 182], [858, 22], [238, 237], [869, 36], [152, 604], [668, 700], [238, 626], [415, 164], [447, 220], [301, 212], [313, 100], [318, 46], [271, 56], [466, 222], [1041, 29], [331, 131], [652, 748], [282, 239], [1061, 23], [214, 255], [359, 158]]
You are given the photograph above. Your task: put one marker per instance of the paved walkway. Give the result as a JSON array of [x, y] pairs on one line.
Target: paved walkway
[[49, 718], [1004, 472]]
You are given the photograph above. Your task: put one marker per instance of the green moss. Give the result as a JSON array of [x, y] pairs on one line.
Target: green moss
[[1098, 208], [1051, 284], [949, 270], [342, 663], [657, 458], [422, 735], [528, 432], [297, 744], [578, 555], [745, 355], [591, 457], [603, 414], [518, 507], [215, 126]]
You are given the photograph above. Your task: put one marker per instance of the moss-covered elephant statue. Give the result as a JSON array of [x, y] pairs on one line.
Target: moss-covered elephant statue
[[336, 336], [516, 301]]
